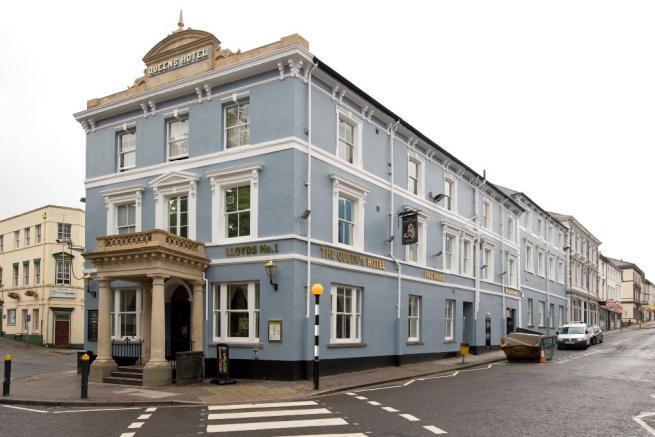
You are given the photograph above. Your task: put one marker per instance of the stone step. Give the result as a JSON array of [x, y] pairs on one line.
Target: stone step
[[134, 369], [123, 381], [132, 375]]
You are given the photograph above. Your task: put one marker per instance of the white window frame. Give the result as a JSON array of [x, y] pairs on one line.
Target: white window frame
[[350, 118], [61, 279], [414, 319], [62, 233], [541, 263], [220, 181], [174, 184], [355, 316], [342, 187], [512, 271], [542, 315], [551, 268], [225, 128], [449, 319], [2, 243], [16, 239], [487, 214], [115, 314], [15, 275], [122, 196], [26, 236], [26, 273], [488, 274], [36, 325], [421, 245], [11, 321], [551, 315], [448, 199], [467, 256], [454, 264], [511, 228], [179, 119], [37, 272], [119, 146], [530, 305], [420, 169], [37, 235], [254, 313], [529, 257]]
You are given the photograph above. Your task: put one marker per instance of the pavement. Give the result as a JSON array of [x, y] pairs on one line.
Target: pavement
[[49, 377], [606, 390]]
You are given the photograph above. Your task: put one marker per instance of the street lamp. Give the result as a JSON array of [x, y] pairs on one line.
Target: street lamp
[[271, 267], [317, 290]]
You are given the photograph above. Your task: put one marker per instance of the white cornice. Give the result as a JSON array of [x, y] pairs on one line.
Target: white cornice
[[188, 85]]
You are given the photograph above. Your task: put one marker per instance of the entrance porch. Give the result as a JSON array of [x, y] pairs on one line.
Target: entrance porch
[[167, 269]]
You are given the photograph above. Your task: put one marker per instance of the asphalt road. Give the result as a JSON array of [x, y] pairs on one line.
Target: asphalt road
[[606, 390]]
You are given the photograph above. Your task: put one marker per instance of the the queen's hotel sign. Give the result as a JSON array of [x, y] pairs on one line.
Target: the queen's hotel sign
[[178, 61]]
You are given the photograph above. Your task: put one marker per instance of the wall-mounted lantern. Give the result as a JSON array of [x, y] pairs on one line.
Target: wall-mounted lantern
[[271, 267]]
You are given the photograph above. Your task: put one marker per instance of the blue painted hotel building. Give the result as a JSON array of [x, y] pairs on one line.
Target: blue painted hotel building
[[222, 184]]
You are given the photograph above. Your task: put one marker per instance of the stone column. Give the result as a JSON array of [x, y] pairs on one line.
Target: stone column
[[157, 372], [197, 317], [103, 364], [146, 299]]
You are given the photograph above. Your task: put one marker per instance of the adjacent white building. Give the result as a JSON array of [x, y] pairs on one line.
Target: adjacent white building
[[609, 293]]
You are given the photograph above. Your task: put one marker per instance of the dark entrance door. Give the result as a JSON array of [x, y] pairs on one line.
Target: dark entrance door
[[62, 330], [468, 334], [509, 319], [180, 327]]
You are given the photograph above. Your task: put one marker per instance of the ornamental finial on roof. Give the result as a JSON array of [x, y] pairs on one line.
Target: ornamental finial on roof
[[180, 23]]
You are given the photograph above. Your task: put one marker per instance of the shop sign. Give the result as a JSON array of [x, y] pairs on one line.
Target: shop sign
[[179, 61], [275, 331], [64, 294], [346, 257], [435, 276], [512, 292], [253, 249], [410, 228]]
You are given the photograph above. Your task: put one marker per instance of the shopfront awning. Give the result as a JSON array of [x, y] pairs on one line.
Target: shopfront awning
[[613, 306]]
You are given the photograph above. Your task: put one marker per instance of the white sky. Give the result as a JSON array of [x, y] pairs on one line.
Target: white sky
[[556, 98]]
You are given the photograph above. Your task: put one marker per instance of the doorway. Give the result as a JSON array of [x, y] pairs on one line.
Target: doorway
[[468, 332], [180, 326], [62, 329], [509, 319]]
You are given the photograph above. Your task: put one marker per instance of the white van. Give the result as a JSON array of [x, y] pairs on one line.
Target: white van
[[574, 335]]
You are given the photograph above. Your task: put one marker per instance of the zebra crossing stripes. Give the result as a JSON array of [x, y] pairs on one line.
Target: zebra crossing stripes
[[273, 416]]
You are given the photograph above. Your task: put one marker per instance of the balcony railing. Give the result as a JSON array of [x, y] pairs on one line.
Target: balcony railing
[[155, 238], [127, 352]]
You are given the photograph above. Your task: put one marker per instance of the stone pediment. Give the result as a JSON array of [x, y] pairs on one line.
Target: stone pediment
[[180, 42], [174, 178]]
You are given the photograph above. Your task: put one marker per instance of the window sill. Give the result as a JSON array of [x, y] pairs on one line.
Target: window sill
[[415, 343], [239, 344], [353, 344], [449, 341]]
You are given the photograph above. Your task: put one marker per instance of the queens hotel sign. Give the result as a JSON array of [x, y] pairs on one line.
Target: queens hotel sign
[[179, 61]]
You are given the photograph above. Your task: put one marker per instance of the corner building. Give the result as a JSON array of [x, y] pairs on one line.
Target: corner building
[[220, 188]]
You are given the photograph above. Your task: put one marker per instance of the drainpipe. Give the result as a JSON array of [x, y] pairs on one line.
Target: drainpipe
[[43, 310], [476, 207], [308, 184], [392, 132], [503, 322], [547, 269]]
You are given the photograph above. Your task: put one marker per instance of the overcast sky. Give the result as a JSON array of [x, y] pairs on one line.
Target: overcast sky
[[555, 99]]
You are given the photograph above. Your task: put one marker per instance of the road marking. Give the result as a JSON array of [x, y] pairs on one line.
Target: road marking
[[135, 425], [410, 417], [390, 409], [90, 410], [151, 409], [25, 409], [379, 388], [408, 382], [640, 421], [256, 426], [144, 417], [376, 403], [350, 393], [265, 405], [434, 430], [361, 398], [127, 434], [358, 434], [269, 413]]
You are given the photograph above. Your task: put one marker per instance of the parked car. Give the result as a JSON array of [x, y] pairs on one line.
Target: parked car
[[574, 335], [597, 334]]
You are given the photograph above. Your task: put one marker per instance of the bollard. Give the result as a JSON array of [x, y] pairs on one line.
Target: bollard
[[85, 376], [463, 351], [7, 381]]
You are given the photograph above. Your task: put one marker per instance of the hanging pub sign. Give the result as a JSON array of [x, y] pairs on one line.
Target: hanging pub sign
[[409, 227]]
